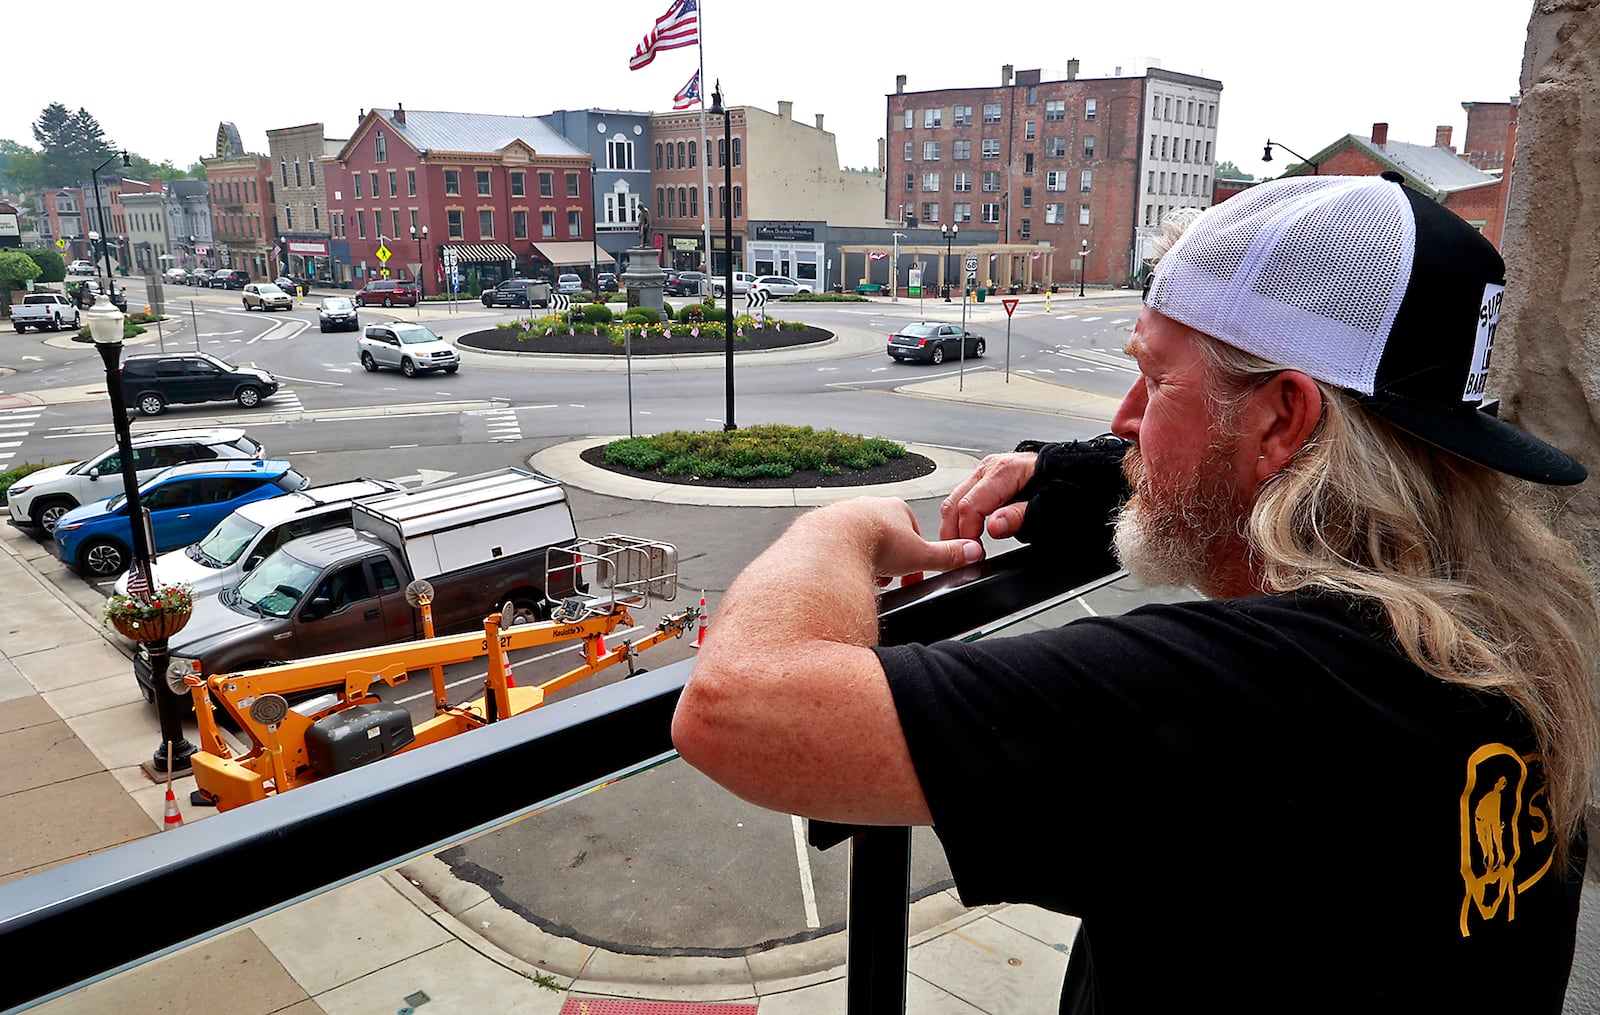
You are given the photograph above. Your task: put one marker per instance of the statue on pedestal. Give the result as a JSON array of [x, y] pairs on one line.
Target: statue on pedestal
[[644, 226]]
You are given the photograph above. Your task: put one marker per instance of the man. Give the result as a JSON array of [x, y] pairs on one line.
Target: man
[[1352, 779]]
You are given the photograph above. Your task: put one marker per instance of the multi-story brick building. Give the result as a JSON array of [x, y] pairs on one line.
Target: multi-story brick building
[[62, 216], [243, 206], [1491, 133], [304, 246], [508, 194], [1067, 164]]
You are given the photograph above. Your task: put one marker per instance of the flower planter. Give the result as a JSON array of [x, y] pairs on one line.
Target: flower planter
[[153, 628]]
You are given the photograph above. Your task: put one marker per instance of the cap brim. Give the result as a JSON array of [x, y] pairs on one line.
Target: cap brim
[[1482, 438]]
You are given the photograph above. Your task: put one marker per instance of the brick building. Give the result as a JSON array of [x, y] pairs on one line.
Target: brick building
[[1060, 164], [508, 194], [63, 216], [303, 238], [243, 207], [1491, 133]]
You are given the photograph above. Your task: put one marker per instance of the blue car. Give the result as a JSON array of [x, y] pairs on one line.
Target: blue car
[[184, 502]]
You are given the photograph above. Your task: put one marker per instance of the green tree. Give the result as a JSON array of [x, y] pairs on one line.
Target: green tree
[[16, 268], [197, 170], [71, 145], [52, 267], [141, 168], [1228, 171]]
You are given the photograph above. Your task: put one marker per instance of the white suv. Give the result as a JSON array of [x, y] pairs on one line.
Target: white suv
[[410, 348], [39, 498], [243, 539]]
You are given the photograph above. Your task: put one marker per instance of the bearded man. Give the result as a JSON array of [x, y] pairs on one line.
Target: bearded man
[[1352, 778]]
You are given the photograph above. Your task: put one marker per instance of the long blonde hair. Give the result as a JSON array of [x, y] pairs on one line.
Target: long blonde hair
[[1476, 584]]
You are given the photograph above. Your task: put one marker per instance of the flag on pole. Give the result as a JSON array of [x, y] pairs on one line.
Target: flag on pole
[[878, 255], [138, 584], [675, 29], [689, 94]]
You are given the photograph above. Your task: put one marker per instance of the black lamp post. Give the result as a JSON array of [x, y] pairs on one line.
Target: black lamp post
[[105, 326], [422, 263], [949, 234], [727, 240], [1083, 255], [1266, 154], [100, 210]]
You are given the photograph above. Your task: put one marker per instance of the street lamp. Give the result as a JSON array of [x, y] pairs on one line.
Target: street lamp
[[100, 208], [105, 326], [1266, 154], [422, 263], [727, 240], [1083, 255], [949, 234]]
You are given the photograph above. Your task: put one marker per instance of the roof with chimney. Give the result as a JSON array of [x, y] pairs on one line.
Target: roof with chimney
[[475, 132], [1436, 170]]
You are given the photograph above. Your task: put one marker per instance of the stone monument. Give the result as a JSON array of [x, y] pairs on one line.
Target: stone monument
[[644, 280]]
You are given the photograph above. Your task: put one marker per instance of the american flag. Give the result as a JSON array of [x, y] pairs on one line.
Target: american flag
[[677, 28], [138, 584], [689, 94], [878, 255]]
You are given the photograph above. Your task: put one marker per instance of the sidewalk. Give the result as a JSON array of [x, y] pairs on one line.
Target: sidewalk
[[74, 730]]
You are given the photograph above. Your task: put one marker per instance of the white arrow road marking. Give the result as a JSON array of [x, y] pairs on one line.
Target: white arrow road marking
[[33, 359]]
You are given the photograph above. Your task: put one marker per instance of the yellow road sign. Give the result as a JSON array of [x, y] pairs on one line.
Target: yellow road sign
[[384, 273], [383, 253], [61, 244]]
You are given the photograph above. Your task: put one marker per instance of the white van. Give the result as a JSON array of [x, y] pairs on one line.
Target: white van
[[240, 541]]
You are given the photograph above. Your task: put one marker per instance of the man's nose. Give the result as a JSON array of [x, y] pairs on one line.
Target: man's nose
[[1125, 422]]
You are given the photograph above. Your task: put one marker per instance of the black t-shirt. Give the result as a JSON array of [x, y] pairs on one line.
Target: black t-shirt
[[1254, 805]]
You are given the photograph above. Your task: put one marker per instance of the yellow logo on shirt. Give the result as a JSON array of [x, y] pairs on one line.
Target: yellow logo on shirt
[[1505, 824]]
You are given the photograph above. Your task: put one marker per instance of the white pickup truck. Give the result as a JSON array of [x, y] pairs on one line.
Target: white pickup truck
[[45, 311]]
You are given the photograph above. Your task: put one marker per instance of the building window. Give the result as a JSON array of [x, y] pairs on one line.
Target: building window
[[961, 149], [452, 183], [311, 173], [908, 151], [411, 183], [1083, 214], [910, 114], [619, 154], [961, 211], [485, 223], [1190, 117], [991, 212], [1086, 181], [519, 225], [932, 118], [1027, 130], [672, 202], [1163, 148], [963, 115], [991, 183], [1166, 107], [738, 152], [415, 220], [453, 224], [930, 151], [483, 182], [722, 201], [683, 200], [1055, 109], [991, 148], [1027, 162], [574, 222], [1208, 151], [991, 112], [316, 218], [1027, 197], [361, 226], [1033, 94], [519, 185], [1150, 182], [1055, 179], [374, 183], [1088, 146], [738, 202], [659, 163], [283, 168], [394, 184], [547, 224], [574, 188], [1186, 144], [1055, 214], [355, 179], [911, 181], [722, 151], [1088, 109], [694, 202], [547, 185], [694, 154], [930, 182], [1055, 147], [289, 217], [930, 211], [298, 182], [961, 182], [377, 224], [1025, 228], [380, 147]]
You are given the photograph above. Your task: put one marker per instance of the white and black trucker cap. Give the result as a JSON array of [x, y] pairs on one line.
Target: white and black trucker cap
[[1363, 283]]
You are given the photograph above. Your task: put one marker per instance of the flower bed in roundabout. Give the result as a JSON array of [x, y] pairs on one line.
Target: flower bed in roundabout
[[594, 331]]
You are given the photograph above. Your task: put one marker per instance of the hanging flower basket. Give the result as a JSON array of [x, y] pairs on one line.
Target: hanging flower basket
[[162, 615]]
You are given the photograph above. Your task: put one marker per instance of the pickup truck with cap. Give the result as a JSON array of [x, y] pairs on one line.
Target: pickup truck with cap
[[479, 541], [44, 311]]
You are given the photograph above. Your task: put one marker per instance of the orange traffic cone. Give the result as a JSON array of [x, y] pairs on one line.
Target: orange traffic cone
[[700, 636], [172, 819]]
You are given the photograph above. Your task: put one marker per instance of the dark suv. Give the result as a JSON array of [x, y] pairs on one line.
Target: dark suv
[[234, 279], [156, 380], [687, 283], [518, 292], [388, 293]]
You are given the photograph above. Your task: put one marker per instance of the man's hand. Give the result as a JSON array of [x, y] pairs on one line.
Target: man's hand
[[895, 544], [987, 495]]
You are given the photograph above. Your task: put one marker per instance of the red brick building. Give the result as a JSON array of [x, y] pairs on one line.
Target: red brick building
[[244, 218], [1063, 163], [508, 194]]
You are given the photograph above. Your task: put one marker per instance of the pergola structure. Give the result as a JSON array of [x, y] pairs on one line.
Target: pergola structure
[[999, 264]]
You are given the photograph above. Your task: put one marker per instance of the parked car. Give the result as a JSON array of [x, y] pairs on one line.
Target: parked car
[[338, 313], [294, 285], [410, 348], [184, 502], [266, 296], [741, 283], [80, 267], [45, 311], [518, 292], [153, 381], [118, 297], [239, 542], [175, 276], [933, 343], [607, 282], [199, 277], [39, 498], [388, 293], [778, 286], [230, 278], [569, 284], [686, 283]]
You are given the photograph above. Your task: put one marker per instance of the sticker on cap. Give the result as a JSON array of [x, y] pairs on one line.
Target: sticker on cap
[[1483, 346]]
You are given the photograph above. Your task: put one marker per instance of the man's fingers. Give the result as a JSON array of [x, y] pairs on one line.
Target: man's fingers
[[1005, 522]]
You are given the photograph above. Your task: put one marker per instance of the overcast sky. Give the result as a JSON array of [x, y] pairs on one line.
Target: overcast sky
[[1304, 75]]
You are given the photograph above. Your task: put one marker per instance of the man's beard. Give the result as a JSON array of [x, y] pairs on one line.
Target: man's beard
[[1178, 534]]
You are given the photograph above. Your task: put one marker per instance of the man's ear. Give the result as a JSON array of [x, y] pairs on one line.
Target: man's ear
[[1285, 410]]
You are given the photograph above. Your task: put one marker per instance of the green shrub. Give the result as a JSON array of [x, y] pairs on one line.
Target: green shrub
[[52, 268], [755, 452], [701, 312], [13, 474], [641, 315], [597, 313]]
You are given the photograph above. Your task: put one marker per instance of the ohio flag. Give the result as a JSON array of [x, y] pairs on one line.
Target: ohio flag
[[689, 94], [677, 28]]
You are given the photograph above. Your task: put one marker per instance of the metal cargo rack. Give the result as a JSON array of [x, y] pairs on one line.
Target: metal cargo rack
[[617, 571]]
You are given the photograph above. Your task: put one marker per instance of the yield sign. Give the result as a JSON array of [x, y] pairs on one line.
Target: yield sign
[[1010, 305], [383, 253]]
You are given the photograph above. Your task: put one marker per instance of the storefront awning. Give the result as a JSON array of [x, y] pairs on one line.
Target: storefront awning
[[471, 252], [572, 252]]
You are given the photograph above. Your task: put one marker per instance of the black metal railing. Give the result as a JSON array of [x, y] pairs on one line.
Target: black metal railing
[[422, 801]]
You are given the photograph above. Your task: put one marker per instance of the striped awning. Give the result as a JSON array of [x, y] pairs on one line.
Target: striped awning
[[469, 252]]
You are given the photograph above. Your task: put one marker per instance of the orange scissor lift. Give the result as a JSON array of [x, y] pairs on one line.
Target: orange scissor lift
[[345, 726]]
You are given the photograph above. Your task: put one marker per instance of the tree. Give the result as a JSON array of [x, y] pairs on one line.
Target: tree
[[141, 168], [1228, 171], [52, 268], [197, 170], [71, 145], [16, 268]]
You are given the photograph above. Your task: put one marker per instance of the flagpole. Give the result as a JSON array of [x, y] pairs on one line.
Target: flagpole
[[705, 142]]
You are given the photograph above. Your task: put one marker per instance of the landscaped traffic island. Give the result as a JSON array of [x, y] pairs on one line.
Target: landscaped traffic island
[[594, 329], [767, 456]]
